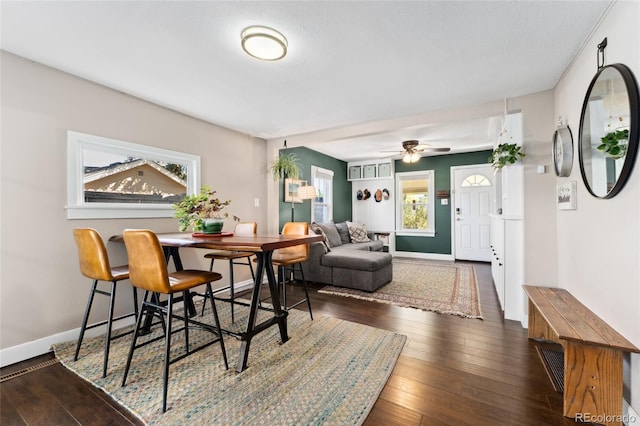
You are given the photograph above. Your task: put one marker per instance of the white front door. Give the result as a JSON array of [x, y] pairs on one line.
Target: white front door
[[471, 208]]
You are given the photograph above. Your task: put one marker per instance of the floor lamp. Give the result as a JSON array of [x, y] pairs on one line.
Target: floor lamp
[[306, 192]]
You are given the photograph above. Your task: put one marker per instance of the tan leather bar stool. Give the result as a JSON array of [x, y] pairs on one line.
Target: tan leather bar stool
[[292, 257], [234, 258], [94, 264], [148, 271]]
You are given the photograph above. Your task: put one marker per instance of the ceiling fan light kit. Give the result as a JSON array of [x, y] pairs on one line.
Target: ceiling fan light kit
[[410, 157], [264, 43]]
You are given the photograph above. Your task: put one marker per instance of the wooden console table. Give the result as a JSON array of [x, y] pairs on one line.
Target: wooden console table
[[592, 353]]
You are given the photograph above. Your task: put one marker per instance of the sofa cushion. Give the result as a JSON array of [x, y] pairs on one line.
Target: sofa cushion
[[318, 231], [357, 260], [357, 232], [343, 230], [375, 245], [333, 238]]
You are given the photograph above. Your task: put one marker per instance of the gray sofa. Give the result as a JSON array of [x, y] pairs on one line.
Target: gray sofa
[[341, 262]]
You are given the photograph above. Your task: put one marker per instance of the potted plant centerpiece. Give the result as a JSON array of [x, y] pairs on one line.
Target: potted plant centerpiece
[[202, 212], [505, 153]]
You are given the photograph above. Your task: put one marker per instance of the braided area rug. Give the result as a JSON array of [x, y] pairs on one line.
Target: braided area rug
[[443, 287], [329, 372]]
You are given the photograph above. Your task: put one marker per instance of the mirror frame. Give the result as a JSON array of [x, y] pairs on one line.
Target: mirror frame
[[634, 119]]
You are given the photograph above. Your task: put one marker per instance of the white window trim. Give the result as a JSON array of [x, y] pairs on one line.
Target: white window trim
[[314, 170], [76, 207], [431, 232]]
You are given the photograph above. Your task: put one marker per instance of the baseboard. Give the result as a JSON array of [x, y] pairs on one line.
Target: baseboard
[[426, 256], [42, 346]]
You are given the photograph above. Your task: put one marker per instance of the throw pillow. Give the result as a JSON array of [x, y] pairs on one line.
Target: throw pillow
[[315, 228], [343, 230], [333, 238], [357, 232]]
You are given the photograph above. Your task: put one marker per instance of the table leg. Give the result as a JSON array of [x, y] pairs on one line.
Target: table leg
[[275, 300], [280, 316]]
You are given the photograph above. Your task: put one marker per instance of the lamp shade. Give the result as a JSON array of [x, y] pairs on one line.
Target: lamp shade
[[306, 192], [410, 157]]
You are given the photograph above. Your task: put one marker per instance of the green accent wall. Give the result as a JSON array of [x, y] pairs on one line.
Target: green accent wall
[[441, 165], [341, 187]]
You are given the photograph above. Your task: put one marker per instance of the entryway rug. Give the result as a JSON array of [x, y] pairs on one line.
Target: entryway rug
[[329, 372], [443, 287]]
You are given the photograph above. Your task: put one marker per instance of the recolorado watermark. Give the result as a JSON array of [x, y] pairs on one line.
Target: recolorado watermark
[[604, 418]]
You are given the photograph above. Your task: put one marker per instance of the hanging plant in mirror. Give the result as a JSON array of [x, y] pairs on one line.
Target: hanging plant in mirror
[[614, 144]]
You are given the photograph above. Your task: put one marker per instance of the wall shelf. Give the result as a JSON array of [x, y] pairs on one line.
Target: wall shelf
[[370, 169]]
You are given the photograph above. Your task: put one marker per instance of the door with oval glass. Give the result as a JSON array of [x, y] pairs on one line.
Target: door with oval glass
[[471, 208]]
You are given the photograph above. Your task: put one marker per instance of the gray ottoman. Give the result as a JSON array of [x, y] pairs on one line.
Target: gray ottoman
[[359, 269]]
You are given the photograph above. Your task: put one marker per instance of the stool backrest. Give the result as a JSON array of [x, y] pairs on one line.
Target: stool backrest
[[147, 264], [92, 254], [295, 228], [246, 228]]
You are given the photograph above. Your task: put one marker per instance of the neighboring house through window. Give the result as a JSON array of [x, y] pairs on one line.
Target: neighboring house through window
[[322, 205], [415, 203], [107, 178]]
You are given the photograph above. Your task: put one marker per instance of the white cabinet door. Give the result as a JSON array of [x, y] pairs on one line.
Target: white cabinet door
[[497, 257]]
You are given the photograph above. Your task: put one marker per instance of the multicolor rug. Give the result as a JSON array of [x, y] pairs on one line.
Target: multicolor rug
[[443, 287], [330, 371]]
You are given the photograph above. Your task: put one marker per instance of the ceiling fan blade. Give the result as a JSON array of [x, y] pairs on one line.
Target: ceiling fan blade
[[437, 149], [397, 152]]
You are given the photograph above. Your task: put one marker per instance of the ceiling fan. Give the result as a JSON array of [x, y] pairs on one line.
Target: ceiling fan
[[412, 150]]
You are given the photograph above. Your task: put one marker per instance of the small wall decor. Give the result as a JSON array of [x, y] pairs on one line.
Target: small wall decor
[[385, 194], [566, 195], [291, 190], [367, 194], [562, 149]]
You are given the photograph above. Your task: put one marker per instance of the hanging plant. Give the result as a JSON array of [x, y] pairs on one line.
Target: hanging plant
[[505, 153], [614, 144], [286, 166]]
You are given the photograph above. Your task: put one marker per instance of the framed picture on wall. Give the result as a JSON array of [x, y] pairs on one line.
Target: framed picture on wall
[[291, 190], [566, 195]]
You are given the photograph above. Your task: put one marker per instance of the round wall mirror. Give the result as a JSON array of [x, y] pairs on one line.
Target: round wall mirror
[[609, 130]]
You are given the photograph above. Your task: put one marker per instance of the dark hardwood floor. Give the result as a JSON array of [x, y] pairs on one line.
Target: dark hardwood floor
[[452, 371]]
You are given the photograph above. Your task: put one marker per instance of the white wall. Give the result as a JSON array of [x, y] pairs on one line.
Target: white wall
[[599, 243], [376, 216], [538, 125], [42, 290]]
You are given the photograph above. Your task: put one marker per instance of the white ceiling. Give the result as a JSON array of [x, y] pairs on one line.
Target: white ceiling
[[349, 62]]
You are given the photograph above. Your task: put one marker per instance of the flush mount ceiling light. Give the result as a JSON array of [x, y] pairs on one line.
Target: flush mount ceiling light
[[264, 43]]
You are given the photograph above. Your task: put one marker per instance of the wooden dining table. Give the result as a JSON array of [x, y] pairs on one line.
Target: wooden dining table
[[263, 246]]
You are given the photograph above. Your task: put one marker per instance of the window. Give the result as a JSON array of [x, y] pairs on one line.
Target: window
[[322, 205], [475, 180], [415, 203], [108, 178]]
